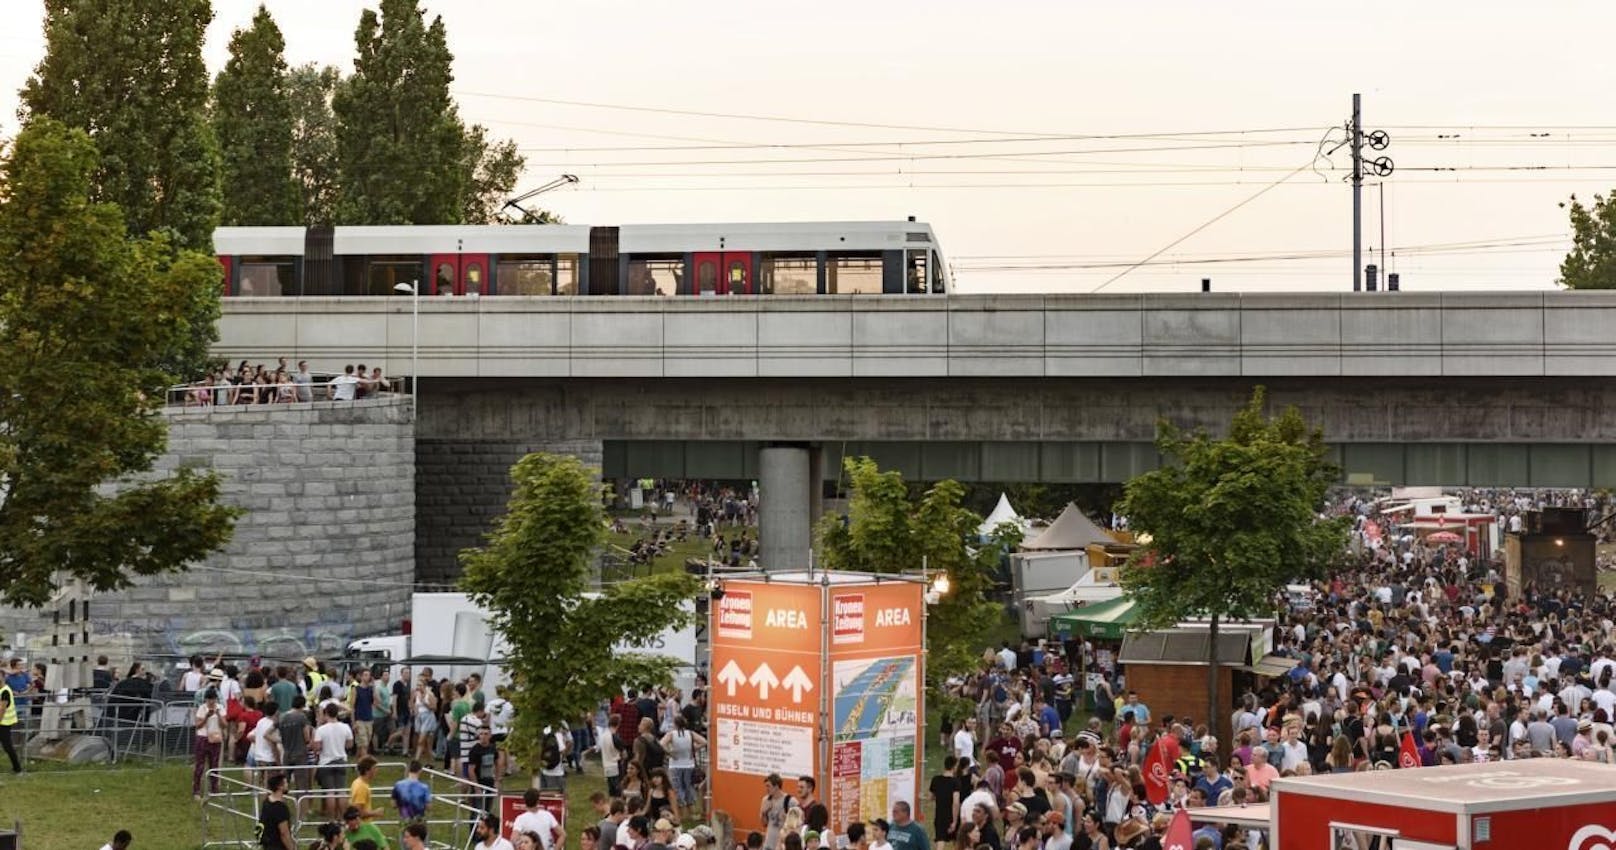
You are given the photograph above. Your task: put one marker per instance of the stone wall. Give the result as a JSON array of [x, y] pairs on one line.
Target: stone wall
[[323, 553], [461, 487]]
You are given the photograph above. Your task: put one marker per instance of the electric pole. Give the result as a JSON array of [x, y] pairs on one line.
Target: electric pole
[[1381, 166]]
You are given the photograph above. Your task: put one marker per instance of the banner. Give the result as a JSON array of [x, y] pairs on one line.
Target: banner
[[1408, 755], [1156, 770], [766, 664]]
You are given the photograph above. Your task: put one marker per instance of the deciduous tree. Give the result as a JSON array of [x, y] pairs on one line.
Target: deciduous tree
[[492, 169], [1229, 522], [314, 141], [888, 532], [1592, 261], [252, 118], [401, 150], [532, 576], [86, 317]]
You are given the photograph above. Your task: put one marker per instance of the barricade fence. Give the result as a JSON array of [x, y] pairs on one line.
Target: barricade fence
[[99, 728], [232, 797]]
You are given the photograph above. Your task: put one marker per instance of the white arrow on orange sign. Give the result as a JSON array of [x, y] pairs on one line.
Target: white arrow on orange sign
[[797, 681], [732, 676], [763, 679]]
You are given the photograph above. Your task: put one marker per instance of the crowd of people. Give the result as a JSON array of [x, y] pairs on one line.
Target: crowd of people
[[251, 383]]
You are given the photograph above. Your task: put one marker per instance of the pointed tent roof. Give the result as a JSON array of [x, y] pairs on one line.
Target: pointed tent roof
[[1002, 513], [1071, 530]]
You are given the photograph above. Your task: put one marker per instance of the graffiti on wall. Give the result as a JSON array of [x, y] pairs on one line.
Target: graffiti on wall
[[329, 635]]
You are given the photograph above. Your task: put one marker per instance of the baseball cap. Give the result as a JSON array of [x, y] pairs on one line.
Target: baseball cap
[[685, 842], [663, 825]]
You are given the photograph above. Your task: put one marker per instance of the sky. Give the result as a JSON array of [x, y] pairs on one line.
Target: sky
[[1053, 146]]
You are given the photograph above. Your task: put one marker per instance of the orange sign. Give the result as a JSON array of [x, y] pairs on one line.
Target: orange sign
[[767, 671]]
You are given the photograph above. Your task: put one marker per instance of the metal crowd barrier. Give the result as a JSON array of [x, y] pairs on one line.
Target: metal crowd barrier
[[130, 731], [229, 815]]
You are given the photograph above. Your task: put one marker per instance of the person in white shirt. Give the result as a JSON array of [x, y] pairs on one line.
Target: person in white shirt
[[487, 834], [538, 821], [500, 716], [344, 387], [120, 841], [965, 740], [332, 740], [264, 751]]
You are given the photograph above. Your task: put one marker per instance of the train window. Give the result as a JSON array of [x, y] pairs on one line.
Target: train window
[[384, 273], [938, 284], [566, 266], [655, 276], [526, 276], [707, 277], [267, 277], [474, 278], [444, 279], [854, 274], [788, 275], [915, 272]]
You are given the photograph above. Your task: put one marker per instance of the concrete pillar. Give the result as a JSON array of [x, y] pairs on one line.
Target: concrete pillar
[[816, 485], [783, 482]]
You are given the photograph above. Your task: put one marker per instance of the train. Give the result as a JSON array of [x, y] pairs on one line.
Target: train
[[887, 258]]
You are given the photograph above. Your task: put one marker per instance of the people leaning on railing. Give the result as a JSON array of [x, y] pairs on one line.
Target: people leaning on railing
[[249, 384]]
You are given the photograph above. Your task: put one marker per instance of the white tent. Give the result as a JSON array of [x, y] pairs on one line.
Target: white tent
[[1070, 530], [1002, 513]]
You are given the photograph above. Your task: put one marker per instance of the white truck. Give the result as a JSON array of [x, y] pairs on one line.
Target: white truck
[[451, 625]]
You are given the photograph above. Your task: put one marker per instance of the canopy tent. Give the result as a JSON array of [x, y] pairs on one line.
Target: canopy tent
[[1071, 530], [1002, 513], [1107, 619]]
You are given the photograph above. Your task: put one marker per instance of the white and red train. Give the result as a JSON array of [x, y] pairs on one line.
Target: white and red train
[[798, 258]]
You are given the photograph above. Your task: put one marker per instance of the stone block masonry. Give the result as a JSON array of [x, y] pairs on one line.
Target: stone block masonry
[[324, 552]]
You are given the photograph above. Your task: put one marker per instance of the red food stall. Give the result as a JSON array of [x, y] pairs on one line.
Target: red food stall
[[1542, 804]]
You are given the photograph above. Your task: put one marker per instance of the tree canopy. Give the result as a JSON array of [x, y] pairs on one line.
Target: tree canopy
[[1592, 261], [130, 73], [888, 532], [1230, 520], [253, 121], [309, 89], [87, 318], [533, 575]]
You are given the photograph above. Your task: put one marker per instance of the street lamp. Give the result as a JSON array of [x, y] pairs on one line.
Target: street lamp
[[414, 290]]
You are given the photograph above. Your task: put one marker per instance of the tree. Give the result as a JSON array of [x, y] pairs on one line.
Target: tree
[[130, 73], [492, 169], [309, 90], [401, 150], [80, 434], [252, 118], [1229, 522], [888, 532], [1592, 261], [532, 577]]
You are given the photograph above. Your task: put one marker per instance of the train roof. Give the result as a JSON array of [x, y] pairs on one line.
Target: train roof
[[574, 238]]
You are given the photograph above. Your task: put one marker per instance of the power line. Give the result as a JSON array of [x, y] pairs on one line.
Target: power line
[[943, 156]]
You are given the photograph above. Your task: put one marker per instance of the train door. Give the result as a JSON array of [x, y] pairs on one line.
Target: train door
[[459, 274], [723, 273]]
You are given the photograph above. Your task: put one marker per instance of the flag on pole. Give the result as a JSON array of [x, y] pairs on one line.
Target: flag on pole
[[1179, 835], [1156, 768], [1408, 755]]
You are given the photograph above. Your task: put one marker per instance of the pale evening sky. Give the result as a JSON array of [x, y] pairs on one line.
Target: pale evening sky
[[993, 102]]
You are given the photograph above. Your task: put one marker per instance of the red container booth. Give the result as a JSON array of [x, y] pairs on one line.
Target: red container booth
[[1533, 804]]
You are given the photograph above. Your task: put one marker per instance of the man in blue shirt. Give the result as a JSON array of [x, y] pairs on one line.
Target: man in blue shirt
[[17, 679], [1212, 782], [1141, 712], [1048, 718]]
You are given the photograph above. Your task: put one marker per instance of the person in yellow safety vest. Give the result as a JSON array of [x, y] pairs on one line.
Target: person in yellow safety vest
[[8, 722], [314, 679]]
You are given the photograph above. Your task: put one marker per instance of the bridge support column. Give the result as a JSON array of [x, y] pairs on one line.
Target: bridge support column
[[784, 481], [816, 487]]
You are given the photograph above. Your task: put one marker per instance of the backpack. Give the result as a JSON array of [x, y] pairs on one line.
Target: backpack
[[550, 753]]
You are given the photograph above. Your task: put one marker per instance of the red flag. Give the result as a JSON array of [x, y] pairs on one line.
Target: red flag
[[1156, 769], [1179, 835], [1408, 755]]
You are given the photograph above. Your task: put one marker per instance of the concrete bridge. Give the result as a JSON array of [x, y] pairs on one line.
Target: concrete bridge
[[1446, 388]]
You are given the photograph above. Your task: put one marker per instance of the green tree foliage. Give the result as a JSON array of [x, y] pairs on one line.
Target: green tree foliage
[[130, 73], [400, 145], [310, 89], [491, 171], [252, 119], [1230, 521], [888, 532], [531, 577], [1592, 261], [87, 315]]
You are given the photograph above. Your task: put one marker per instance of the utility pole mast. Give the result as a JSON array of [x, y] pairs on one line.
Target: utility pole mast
[[1380, 166], [1355, 129]]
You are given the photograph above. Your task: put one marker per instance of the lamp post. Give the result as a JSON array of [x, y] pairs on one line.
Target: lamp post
[[414, 289]]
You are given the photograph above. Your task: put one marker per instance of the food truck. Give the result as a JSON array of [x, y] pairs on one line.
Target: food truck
[[1540, 804]]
